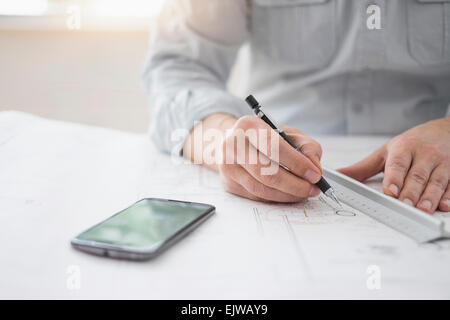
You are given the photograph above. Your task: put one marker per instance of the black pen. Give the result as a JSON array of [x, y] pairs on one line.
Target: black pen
[[322, 184]]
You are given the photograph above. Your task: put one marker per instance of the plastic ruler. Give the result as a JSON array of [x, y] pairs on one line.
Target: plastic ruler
[[408, 220]]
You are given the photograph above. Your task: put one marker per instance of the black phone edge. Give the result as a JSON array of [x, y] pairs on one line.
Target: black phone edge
[[106, 250]]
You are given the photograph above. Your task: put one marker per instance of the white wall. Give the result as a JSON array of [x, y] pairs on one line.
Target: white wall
[[92, 77], [83, 76]]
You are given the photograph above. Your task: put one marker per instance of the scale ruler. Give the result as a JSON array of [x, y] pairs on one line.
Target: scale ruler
[[408, 220]]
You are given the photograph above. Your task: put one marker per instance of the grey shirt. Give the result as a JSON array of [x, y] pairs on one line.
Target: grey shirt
[[323, 66]]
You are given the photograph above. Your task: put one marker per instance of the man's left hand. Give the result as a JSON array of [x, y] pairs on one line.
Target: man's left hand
[[416, 166]]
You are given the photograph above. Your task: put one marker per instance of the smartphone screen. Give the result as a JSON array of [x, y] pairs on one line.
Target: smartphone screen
[[144, 226]]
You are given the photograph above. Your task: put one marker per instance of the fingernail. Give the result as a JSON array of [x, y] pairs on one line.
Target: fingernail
[[311, 176], [394, 189], [408, 201], [447, 203], [314, 192], [425, 204]]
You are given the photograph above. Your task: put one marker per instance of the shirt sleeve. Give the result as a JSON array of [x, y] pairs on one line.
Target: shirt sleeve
[[193, 47]]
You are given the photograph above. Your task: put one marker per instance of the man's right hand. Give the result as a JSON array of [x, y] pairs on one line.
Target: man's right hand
[[256, 179]]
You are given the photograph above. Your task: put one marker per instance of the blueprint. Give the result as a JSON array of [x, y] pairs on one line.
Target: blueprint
[[59, 178]]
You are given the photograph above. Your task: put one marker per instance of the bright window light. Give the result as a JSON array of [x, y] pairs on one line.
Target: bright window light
[[103, 8], [23, 7], [126, 8]]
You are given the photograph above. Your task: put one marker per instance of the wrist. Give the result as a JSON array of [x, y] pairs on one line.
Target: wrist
[[217, 121]]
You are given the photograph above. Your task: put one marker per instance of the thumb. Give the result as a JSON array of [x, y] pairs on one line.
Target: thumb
[[367, 167]]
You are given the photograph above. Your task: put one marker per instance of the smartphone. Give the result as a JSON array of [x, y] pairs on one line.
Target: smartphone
[[143, 230]]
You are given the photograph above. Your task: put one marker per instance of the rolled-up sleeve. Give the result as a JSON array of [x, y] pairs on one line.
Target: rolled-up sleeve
[[193, 47]]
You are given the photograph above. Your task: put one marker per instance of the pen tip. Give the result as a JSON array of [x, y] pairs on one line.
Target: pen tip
[[333, 196]]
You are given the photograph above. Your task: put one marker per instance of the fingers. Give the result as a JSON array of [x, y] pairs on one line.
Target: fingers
[[367, 167], [280, 179], [436, 187], [280, 150], [309, 147], [257, 151], [444, 204], [417, 179], [299, 164], [253, 187], [398, 162]]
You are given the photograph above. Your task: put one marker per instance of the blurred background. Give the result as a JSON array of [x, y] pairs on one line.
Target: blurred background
[[76, 60], [80, 60]]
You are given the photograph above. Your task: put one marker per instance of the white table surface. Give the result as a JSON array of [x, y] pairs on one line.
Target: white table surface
[[59, 178]]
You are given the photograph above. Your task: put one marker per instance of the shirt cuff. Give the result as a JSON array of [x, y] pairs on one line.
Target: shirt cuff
[[174, 119]]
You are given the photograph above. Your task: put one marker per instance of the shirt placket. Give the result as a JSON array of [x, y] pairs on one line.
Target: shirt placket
[[368, 54]]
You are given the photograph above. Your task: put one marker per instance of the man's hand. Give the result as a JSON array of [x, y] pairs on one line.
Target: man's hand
[[416, 166], [260, 177], [248, 158]]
